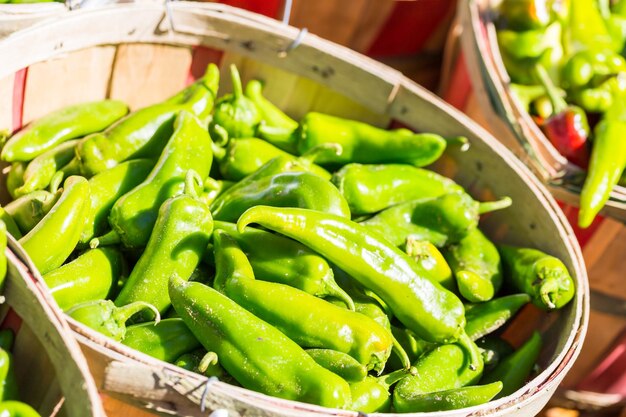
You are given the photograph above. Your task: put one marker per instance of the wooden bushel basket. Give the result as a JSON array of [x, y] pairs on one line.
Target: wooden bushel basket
[[143, 53], [52, 374]]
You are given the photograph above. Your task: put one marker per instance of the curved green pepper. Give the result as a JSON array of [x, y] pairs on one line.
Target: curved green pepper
[[526, 14], [91, 276], [8, 383], [367, 144], [287, 189], [419, 302], [431, 259], [133, 215], [15, 177], [54, 238], [104, 317], [372, 188], [412, 345], [17, 409], [586, 28], [10, 226], [165, 340], [178, 241], [144, 133], [372, 394], [28, 210], [487, 317], [530, 43], [106, 188], [278, 259], [58, 126], [545, 278], [339, 363], [256, 354], [3, 256], [451, 399], [319, 325], [214, 188]]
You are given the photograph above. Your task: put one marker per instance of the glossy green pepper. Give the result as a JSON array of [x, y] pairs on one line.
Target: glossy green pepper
[[278, 259], [144, 133], [62, 225], [15, 177], [372, 394], [61, 125], [256, 354], [530, 43], [8, 383], [106, 188], [287, 189], [544, 277], [339, 363], [40, 170], [451, 399], [9, 224], [418, 301], [276, 127], [17, 409], [178, 241], [28, 210], [367, 144], [515, 368], [104, 317], [372, 188], [526, 14], [475, 262], [431, 259], [3, 257], [487, 317], [319, 325], [235, 115], [586, 28], [582, 67], [214, 188], [165, 340], [91, 276], [133, 215]]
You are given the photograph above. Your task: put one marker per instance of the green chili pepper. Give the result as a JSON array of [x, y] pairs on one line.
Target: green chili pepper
[[61, 125], [527, 94], [40, 170], [530, 43], [487, 317], [372, 394], [278, 259], [213, 189], [412, 345], [3, 257], [419, 302], [543, 277], [17, 409], [256, 354], [443, 368], [582, 67], [276, 127], [367, 144], [339, 363], [178, 241], [586, 28], [133, 215], [8, 383], [9, 224], [28, 210], [515, 368], [15, 177], [202, 362], [320, 324], [244, 156], [165, 340], [440, 220], [7, 337], [526, 14], [104, 317], [451, 399], [493, 350], [144, 133], [235, 115], [371, 188], [430, 259], [476, 264], [91, 276], [61, 226]]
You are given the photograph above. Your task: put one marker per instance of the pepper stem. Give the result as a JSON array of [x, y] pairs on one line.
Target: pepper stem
[[236, 80], [219, 152], [388, 380], [207, 360], [401, 353], [461, 141], [193, 181], [334, 290], [56, 181], [559, 105], [474, 356], [111, 238], [124, 313], [489, 206]]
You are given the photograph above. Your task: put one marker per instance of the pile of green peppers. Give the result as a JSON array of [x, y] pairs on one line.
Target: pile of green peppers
[[567, 67], [316, 261]]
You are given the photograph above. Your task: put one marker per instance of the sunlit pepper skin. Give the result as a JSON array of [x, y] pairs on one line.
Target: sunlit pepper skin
[[3, 257], [367, 144], [339, 363], [8, 384], [29, 209], [144, 133], [61, 125], [526, 14], [91, 276], [255, 353], [372, 394], [17, 409], [372, 188], [54, 238], [485, 318], [431, 259], [419, 302], [15, 177], [319, 324], [165, 340], [288, 189], [134, 214], [451, 399]]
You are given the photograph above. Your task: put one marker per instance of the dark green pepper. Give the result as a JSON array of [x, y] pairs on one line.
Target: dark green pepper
[[133, 216], [91, 276], [17, 409], [9, 224], [165, 340], [28, 210], [452, 399], [367, 144], [7, 337], [371, 188], [372, 394], [545, 278], [15, 177], [3, 256], [8, 383], [487, 317], [256, 354], [54, 238], [61, 125], [287, 189], [339, 363], [493, 349], [319, 324]]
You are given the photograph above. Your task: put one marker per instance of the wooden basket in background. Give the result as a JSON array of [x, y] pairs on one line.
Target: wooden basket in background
[[144, 53]]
